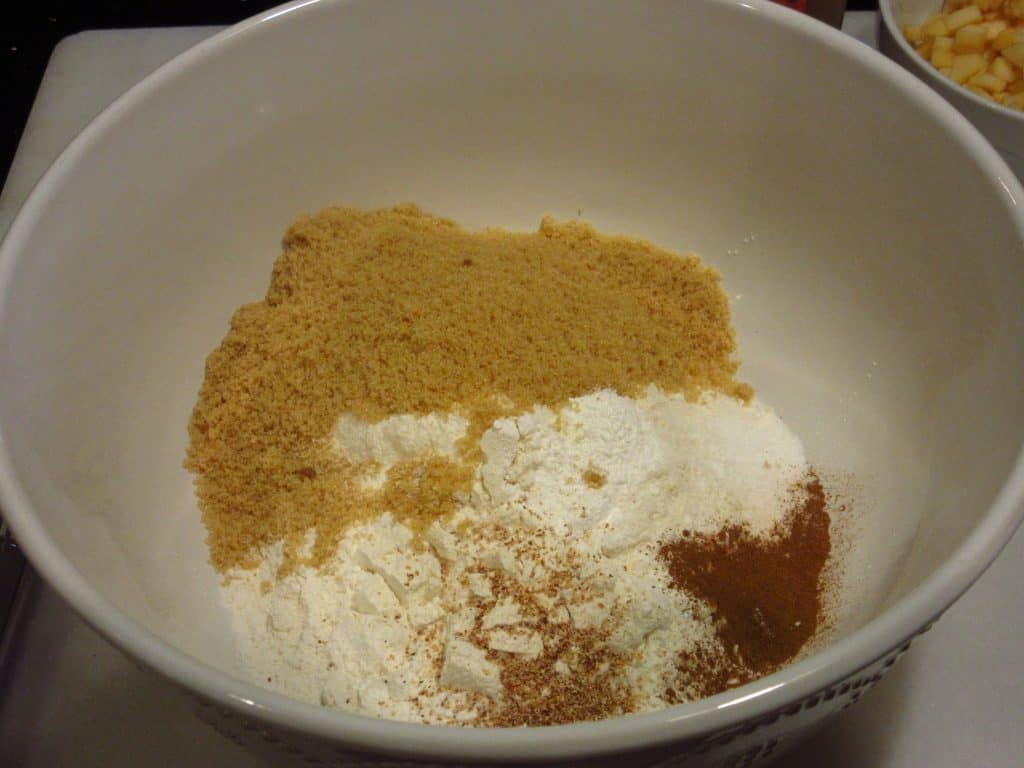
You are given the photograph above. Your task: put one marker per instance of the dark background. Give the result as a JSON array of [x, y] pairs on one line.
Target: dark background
[[32, 28]]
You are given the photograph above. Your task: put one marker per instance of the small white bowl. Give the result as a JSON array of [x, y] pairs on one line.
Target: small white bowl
[[872, 239], [1002, 126]]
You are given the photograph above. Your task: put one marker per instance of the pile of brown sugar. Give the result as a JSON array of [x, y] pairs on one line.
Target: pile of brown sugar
[[394, 311]]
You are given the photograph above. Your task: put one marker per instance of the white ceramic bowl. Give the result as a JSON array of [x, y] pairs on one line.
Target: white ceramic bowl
[[871, 238], [1002, 126]]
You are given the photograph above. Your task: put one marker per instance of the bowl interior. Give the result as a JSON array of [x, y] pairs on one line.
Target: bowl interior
[[914, 11], [875, 268]]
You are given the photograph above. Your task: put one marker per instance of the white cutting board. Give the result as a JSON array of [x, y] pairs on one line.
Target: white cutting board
[[67, 698]]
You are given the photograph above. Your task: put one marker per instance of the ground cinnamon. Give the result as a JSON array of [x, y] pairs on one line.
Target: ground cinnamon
[[765, 593]]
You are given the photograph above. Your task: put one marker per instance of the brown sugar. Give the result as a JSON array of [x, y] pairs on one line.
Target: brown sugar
[[376, 313]]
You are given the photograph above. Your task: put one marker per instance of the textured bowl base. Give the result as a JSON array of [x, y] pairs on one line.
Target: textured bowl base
[[757, 742]]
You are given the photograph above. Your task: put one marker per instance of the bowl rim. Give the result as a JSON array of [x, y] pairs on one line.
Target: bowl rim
[[935, 78], [895, 626]]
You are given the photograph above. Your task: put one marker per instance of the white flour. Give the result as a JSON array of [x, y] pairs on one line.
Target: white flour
[[588, 492]]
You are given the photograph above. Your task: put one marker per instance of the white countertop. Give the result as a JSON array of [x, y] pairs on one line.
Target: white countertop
[[67, 698]]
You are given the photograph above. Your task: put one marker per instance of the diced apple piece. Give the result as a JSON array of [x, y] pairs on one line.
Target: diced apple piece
[[1014, 54], [993, 28], [1002, 40], [942, 52], [970, 39], [1016, 101], [1003, 69], [969, 14], [1014, 9], [936, 28], [913, 34], [988, 82], [967, 65]]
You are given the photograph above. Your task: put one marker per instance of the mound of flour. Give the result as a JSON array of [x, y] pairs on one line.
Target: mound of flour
[[567, 507]]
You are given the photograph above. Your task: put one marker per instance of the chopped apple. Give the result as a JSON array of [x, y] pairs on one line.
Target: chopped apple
[[988, 82], [942, 52], [978, 44], [970, 39], [969, 14], [936, 28], [1016, 101], [1002, 40], [993, 28], [1003, 69], [967, 65], [1014, 54]]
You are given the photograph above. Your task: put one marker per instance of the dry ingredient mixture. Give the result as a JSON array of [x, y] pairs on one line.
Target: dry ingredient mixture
[[500, 479]]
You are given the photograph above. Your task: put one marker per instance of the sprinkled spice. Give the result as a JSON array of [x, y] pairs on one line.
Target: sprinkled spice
[[765, 593], [594, 479]]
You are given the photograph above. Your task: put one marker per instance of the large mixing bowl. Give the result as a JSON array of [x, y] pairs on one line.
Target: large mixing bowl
[[872, 241]]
